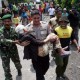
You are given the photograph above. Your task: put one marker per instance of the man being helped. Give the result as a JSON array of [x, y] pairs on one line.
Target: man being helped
[[65, 33], [8, 47]]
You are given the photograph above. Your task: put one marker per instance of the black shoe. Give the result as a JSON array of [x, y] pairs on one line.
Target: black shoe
[[19, 72], [65, 77]]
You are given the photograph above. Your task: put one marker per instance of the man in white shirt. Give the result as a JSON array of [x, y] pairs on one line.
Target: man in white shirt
[[51, 11]]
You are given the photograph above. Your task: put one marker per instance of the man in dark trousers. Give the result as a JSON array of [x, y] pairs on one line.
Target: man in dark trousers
[[40, 30], [65, 34]]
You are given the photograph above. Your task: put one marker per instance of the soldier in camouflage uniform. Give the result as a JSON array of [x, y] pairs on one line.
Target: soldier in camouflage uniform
[[8, 47]]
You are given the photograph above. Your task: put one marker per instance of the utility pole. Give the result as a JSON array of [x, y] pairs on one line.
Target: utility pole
[[0, 6]]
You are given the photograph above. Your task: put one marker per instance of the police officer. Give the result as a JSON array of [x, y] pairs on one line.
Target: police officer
[[40, 30], [8, 47]]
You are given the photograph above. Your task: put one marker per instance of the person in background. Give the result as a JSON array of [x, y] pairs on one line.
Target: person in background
[[24, 17], [8, 48], [14, 8], [74, 21], [47, 7], [5, 11], [64, 13], [16, 19], [41, 11], [53, 22], [29, 7], [51, 11], [29, 16]]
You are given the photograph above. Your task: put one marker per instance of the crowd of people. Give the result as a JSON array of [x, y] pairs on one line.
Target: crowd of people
[[23, 25]]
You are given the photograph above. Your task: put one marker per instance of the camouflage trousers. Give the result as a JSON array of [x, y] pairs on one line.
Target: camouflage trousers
[[61, 62], [6, 63]]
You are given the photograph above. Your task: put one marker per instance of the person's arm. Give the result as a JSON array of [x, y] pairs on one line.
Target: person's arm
[[32, 40], [73, 39], [55, 40], [76, 43], [50, 23]]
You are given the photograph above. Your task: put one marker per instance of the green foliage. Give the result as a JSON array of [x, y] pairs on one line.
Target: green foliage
[[63, 3], [17, 1], [66, 3]]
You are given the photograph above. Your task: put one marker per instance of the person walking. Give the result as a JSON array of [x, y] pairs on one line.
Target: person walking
[[40, 31], [24, 17], [8, 38], [65, 34], [51, 11]]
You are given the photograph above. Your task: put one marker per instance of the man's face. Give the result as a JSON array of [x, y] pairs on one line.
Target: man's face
[[59, 14], [7, 23], [36, 19], [63, 24]]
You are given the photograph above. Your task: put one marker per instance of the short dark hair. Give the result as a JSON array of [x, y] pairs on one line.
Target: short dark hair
[[34, 12], [57, 11]]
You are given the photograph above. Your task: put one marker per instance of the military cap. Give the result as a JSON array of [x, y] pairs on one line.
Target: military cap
[[6, 16], [63, 18]]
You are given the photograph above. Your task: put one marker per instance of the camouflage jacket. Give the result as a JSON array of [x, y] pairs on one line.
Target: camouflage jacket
[[6, 38]]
